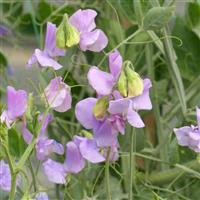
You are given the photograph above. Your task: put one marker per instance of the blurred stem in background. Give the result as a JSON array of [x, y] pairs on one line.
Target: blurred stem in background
[[107, 175], [156, 109]]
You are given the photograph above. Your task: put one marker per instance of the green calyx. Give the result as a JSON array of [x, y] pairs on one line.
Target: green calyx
[[101, 107], [66, 34]]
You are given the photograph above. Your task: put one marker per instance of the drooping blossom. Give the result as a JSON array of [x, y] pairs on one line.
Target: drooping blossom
[[91, 39], [41, 196], [58, 95], [46, 57], [16, 105], [5, 176], [44, 146], [103, 82], [190, 135], [78, 151]]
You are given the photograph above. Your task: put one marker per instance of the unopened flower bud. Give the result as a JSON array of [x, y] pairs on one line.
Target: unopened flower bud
[[135, 83], [100, 108], [66, 34], [122, 84]]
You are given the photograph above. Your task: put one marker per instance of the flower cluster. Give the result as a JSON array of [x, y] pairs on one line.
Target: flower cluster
[[121, 93]]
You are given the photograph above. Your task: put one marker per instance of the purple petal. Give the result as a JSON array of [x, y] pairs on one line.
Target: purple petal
[[114, 155], [198, 117], [105, 135], [50, 42], [182, 135], [143, 102], [74, 162], [46, 61], [119, 106], [5, 177], [83, 20], [26, 134], [54, 171], [58, 95], [84, 112], [115, 63], [32, 60], [44, 147], [134, 118], [4, 30], [41, 196], [101, 81], [90, 151], [94, 41], [17, 102], [5, 118], [46, 121]]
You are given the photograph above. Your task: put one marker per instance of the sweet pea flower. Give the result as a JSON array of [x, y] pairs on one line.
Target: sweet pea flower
[[58, 95], [45, 58], [103, 82], [190, 135], [44, 146], [78, 151], [91, 39], [5, 176], [16, 105]]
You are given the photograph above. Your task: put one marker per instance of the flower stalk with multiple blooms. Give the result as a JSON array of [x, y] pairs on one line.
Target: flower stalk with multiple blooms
[[120, 95]]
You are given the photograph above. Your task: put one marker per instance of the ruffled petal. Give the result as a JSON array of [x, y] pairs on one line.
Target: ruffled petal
[[54, 171], [101, 81], [182, 135], [84, 114], [119, 106], [93, 41], [105, 135], [17, 102], [46, 61], [143, 102], [74, 162], [83, 20], [115, 63], [5, 176], [90, 151], [134, 119]]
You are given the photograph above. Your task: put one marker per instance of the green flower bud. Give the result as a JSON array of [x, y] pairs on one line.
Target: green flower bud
[[66, 34], [86, 134], [135, 83], [122, 84], [100, 108]]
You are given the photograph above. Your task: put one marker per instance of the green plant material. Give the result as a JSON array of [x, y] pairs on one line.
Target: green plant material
[[157, 18], [100, 107], [122, 84], [66, 34], [4, 62]]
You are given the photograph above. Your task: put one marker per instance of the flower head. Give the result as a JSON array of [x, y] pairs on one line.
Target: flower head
[[5, 177], [58, 95], [190, 135], [46, 57], [16, 105], [90, 38]]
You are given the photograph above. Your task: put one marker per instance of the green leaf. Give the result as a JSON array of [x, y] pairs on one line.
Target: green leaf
[[157, 17], [3, 60], [16, 143]]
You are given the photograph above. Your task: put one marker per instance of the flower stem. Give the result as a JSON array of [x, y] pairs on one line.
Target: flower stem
[[13, 186], [131, 164], [107, 175]]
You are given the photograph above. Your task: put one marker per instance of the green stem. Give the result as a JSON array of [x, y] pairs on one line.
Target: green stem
[[13, 186], [131, 164], [156, 109], [33, 176], [107, 176]]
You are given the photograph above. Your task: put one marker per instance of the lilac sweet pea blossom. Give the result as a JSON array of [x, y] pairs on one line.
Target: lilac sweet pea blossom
[[90, 38], [103, 82], [58, 95], [78, 151], [44, 146], [16, 105], [41, 196], [46, 57], [5, 177], [190, 135]]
